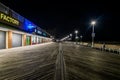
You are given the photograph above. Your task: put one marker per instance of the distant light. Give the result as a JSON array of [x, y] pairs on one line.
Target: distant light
[[81, 36], [76, 37], [93, 22], [70, 34], [76, 31]]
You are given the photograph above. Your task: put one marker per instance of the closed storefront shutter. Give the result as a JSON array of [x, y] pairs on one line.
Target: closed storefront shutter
[[2, 39], [16, 40]]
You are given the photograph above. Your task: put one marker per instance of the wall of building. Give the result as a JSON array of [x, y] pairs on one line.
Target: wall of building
[[16, 31]]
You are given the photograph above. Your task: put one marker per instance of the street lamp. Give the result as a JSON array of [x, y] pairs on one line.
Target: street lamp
[[76, 31], [81, 38], [93, 34], [70, 37], [76, 37]]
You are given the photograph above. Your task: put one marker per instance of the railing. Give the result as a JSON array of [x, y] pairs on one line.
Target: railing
[[104, 47]]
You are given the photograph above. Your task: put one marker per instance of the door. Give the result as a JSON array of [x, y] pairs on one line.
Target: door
[[16, 40], [2, 39], [27, 40]]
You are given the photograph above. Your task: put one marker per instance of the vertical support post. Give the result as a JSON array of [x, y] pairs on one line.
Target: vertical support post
[[24, 40], [6, 43], [30, 40], [9, 39]]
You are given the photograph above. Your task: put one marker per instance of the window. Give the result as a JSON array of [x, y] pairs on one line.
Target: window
[[4, 9]]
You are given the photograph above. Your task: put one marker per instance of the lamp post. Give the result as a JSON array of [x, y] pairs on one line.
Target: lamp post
[[76, 37], [93, 34], [81, 39], [71, 37]]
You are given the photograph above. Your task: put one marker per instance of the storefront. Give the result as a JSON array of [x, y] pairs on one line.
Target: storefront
[[39, 40], [2, 39], [16, 40], [16, 31], [34, 39]]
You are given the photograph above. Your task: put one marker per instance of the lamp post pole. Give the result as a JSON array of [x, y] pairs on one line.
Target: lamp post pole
[[76, 37], [81, 39], [93, 33]]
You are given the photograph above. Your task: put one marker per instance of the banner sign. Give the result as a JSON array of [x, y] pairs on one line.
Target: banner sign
[[8, 20]]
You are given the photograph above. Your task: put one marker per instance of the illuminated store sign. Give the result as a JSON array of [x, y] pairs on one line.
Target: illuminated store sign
[[44, 34], [7, 19], [39, 32]]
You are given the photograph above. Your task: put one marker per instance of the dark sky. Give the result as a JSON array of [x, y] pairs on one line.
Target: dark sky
[[62, 18]]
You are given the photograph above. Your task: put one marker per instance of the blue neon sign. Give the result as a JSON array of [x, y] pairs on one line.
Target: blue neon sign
[[29, 26]]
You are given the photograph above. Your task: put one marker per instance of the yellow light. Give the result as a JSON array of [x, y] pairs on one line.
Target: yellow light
[[8, 19]]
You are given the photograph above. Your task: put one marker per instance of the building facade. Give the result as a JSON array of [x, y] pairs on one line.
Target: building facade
[[16, 30]]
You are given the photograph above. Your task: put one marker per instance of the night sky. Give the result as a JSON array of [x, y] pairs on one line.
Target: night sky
[[62, 18]]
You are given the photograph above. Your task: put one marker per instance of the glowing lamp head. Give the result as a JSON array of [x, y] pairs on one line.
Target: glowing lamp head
[[93, 22], [76, 31]]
